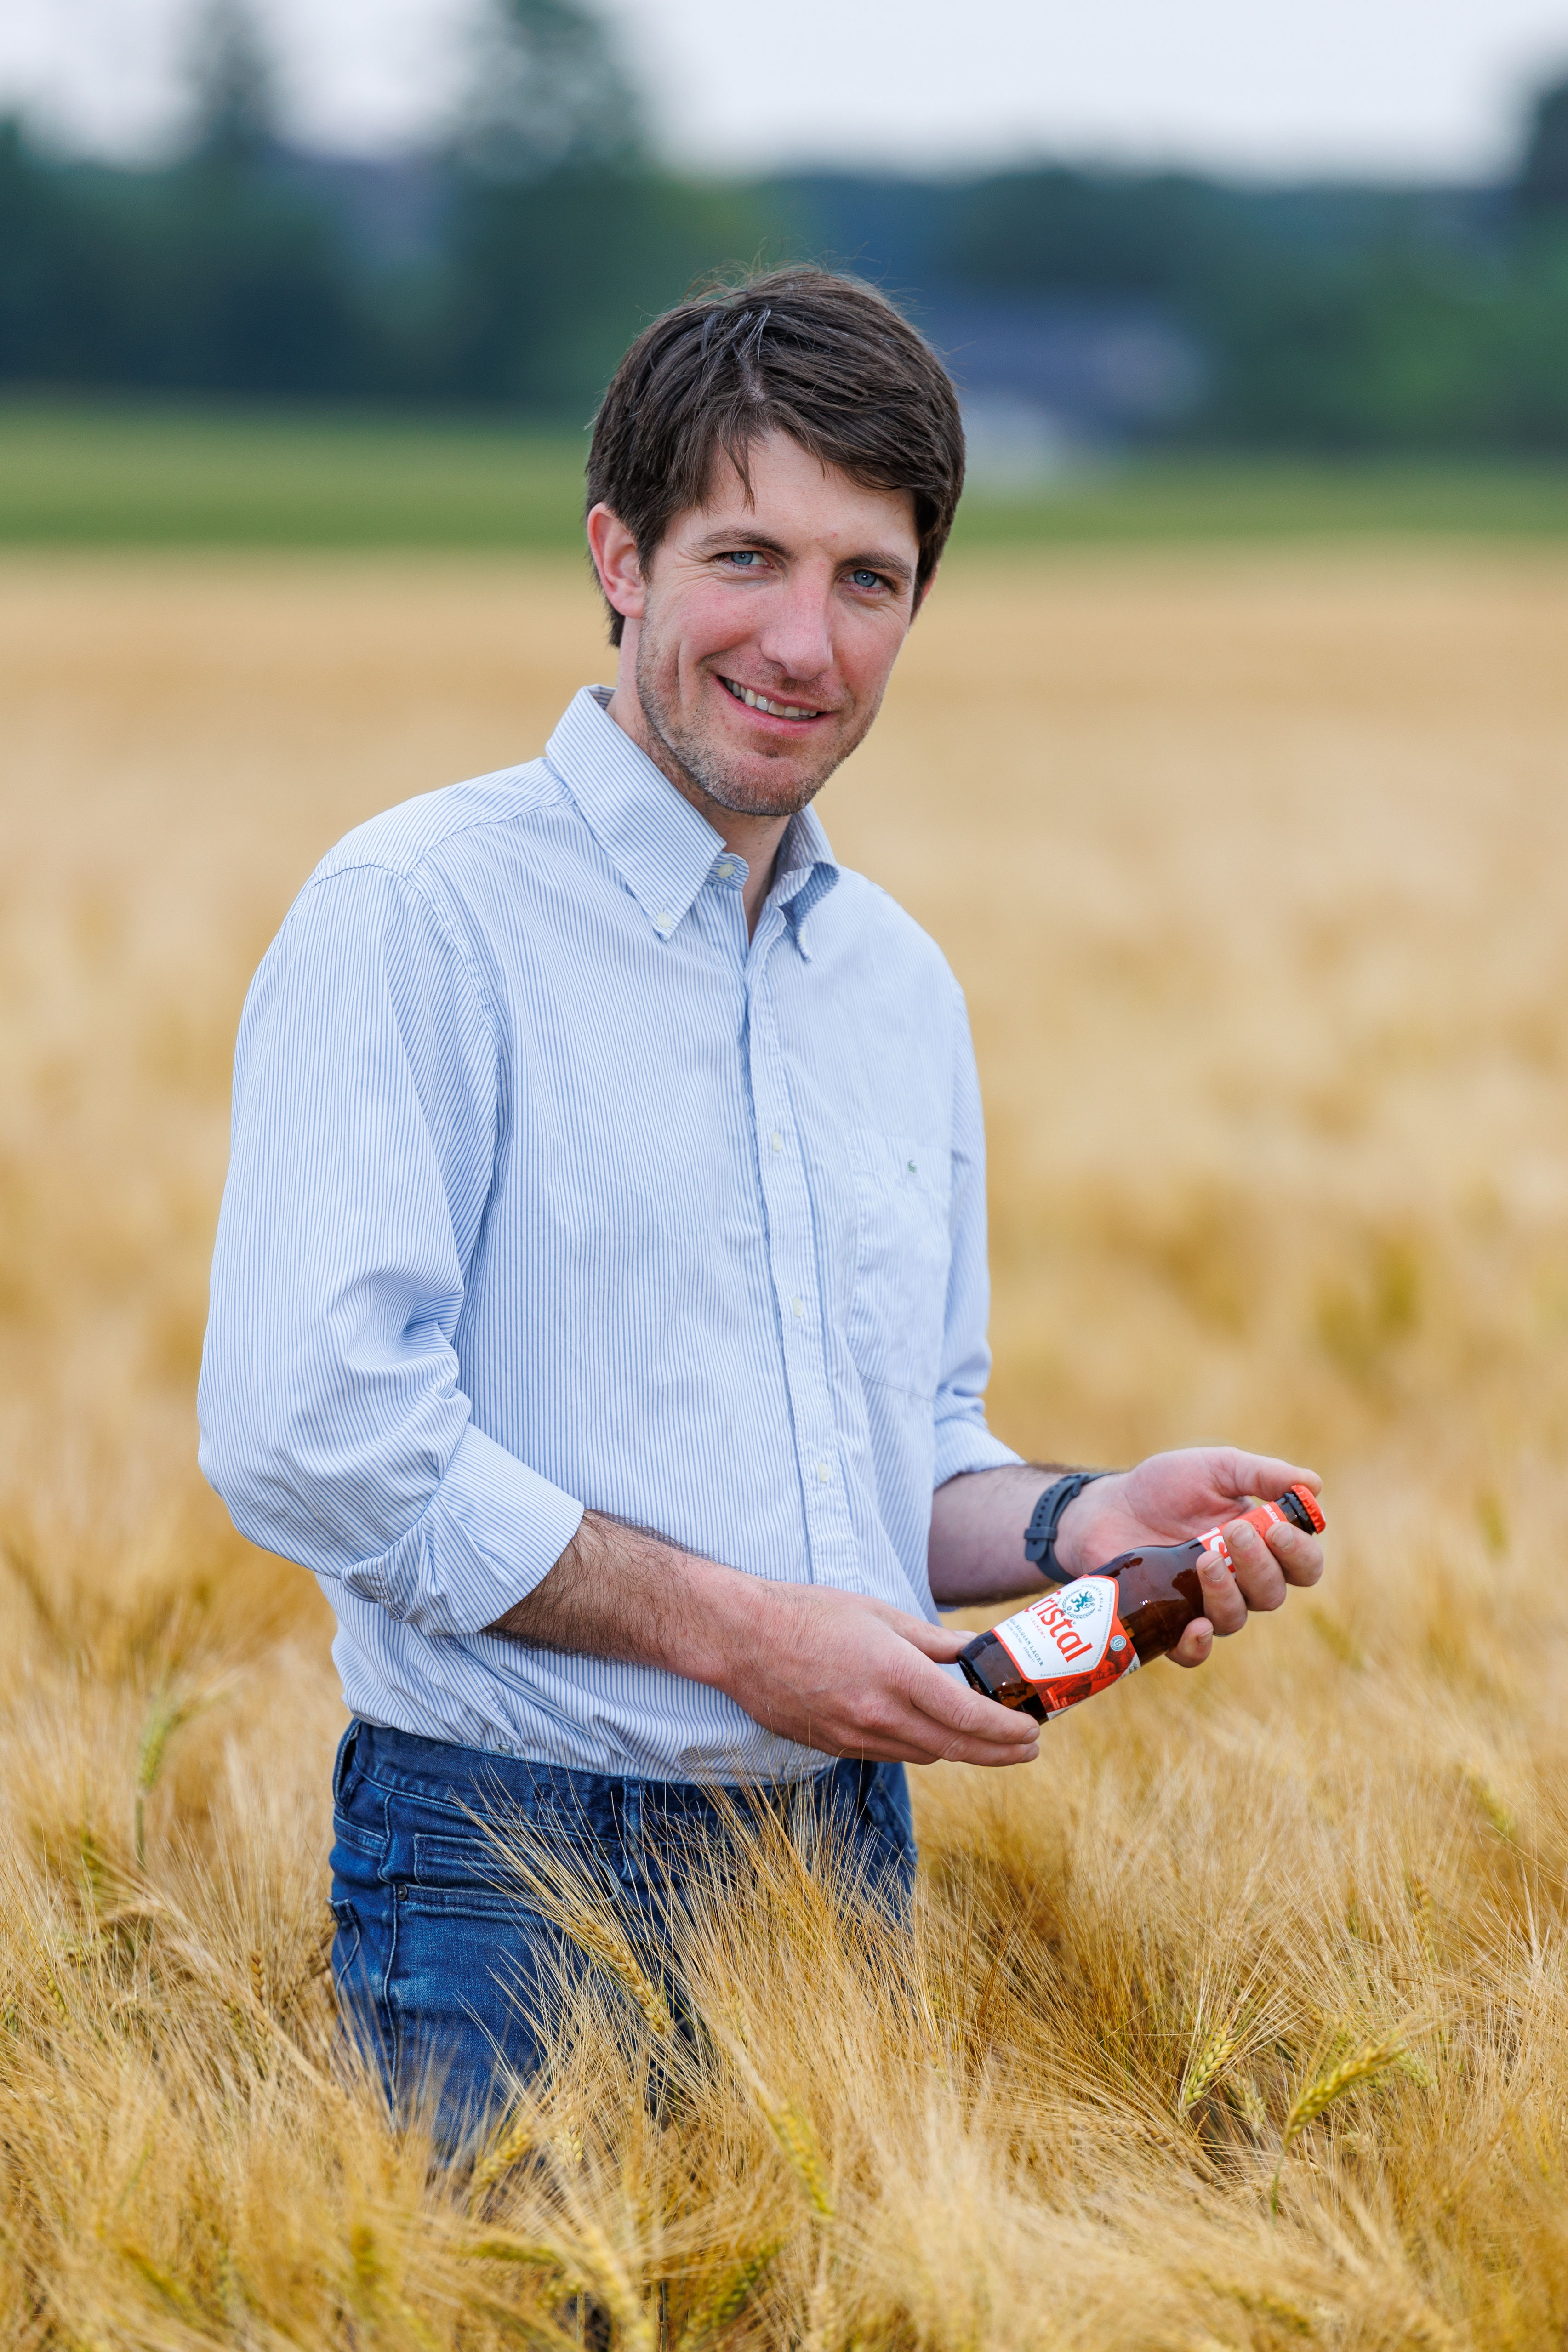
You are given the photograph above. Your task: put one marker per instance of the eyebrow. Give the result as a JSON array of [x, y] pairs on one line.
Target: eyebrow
[[712, 542]]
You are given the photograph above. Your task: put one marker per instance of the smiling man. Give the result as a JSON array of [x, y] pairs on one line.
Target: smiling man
[[600, 1299]]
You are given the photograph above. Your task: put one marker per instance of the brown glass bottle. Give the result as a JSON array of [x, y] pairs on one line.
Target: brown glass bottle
[[1078, 1638]]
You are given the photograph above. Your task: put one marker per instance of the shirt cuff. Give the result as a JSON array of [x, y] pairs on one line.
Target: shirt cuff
[[963, 1446], [494, 1529]]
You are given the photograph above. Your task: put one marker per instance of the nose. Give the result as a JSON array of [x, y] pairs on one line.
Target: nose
[[797, 634]]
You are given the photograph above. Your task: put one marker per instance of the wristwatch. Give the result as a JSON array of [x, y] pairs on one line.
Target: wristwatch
[[1040, 1540]]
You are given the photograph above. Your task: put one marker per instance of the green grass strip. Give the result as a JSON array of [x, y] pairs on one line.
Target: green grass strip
[[120, 474]]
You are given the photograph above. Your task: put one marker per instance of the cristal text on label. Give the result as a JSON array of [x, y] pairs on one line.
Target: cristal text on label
[[1054, 1618]]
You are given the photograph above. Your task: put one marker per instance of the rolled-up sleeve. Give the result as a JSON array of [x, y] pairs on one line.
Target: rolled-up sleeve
[[367, 1091], [962, 1439]]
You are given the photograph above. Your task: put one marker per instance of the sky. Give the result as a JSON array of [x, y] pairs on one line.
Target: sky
[[1274, 87]]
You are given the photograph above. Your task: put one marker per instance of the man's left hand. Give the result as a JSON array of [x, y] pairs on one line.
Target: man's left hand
[[1172, 1498]]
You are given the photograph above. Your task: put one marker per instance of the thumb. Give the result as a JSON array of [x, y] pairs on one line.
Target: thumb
[[1266, 1476]]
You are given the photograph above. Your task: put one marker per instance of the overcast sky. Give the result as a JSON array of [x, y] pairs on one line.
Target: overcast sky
[[1380, 87]]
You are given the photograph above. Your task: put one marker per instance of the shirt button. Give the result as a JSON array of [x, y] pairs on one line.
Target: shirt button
[[824, 1473], [667, 916], [777, 1140], [797, 1310], [724, 872]]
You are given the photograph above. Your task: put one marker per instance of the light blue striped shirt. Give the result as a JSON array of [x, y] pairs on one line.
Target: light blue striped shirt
[[550, 1190]]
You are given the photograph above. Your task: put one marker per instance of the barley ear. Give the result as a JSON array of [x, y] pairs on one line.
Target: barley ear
[[612, 2282], [164, 1717], [795, 2135], [727, 2298], [500, 2156], [1207, 2060], [1493, 1801], [605, 1944], [1363, 2065]]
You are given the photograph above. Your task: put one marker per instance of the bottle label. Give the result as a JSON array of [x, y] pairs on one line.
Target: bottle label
[[1071, 1643]]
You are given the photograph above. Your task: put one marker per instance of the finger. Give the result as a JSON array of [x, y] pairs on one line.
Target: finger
[[941, 1642], [957, 1712], [1225, 1605], [914, 1711], [963, 1751], [911, 1737], [1000, 1732], [1259, 1575], [955, 1748], [867, 1751], [883, 1734], [1263, 1474], [1194, 1644], [1301, 1556]]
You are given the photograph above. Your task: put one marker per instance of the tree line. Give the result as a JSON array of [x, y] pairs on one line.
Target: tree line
[[509, 269]]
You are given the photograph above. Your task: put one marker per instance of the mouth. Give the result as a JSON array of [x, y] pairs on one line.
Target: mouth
[[799, 713]]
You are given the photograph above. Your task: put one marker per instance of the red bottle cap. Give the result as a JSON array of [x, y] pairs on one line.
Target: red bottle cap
[[1309, 1502]]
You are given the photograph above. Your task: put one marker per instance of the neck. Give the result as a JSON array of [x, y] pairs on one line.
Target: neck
[[754, 839]]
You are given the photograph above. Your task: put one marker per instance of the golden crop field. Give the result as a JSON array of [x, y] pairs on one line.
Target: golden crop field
[[1239, 2019]]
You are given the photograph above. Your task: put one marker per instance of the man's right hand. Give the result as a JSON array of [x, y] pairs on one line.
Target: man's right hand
[[833, 1669], [853, 1676]]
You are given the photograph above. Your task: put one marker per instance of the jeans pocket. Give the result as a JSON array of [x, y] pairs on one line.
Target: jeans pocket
[[345, 1775], [442, 1861], [460, 1876], [356, 1858]]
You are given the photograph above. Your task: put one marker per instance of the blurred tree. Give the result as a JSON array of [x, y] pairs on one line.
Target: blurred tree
[[564, 236], [554, 278], [243, 279], [65, 258], [1382, 349], [549, 94], [233, 107], [1541, 188], [1529, 342], [1163, 235]]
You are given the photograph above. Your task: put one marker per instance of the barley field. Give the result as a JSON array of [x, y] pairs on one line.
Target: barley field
[[1241, 2018]]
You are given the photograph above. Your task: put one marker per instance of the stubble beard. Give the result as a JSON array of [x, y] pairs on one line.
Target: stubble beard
[[693, 760]]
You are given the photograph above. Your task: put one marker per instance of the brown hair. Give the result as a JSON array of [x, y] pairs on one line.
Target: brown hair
[[826, 360]]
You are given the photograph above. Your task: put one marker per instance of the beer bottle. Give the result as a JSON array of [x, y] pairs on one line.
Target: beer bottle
[[1087, 1634]]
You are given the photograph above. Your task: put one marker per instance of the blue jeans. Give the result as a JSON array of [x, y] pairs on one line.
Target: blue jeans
[[443, 1974]]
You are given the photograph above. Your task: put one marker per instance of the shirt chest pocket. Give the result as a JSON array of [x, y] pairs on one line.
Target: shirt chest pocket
[[898, 1295]]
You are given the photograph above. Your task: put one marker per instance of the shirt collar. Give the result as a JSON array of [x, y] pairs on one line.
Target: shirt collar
[[658, 844], [806, 871]]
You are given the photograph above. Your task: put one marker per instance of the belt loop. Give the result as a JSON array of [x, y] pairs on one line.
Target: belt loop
[[629, 1807]]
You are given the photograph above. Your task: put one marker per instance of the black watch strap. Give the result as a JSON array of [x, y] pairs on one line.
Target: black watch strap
[[1040, 1538]]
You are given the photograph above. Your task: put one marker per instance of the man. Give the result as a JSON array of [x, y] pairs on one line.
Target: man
[[600, 1298]]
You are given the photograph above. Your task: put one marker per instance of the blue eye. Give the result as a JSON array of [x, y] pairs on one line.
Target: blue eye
[[746, 555], [866, 579]]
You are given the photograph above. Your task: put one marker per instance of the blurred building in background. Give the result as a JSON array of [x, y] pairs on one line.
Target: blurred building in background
[[1081, 310]]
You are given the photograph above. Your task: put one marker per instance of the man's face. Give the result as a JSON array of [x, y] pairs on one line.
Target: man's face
[[799, 599]]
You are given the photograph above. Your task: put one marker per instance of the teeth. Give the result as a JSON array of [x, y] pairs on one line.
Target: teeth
[[775, 709]]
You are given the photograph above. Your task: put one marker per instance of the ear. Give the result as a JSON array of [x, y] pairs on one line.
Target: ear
[[615, 554]]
